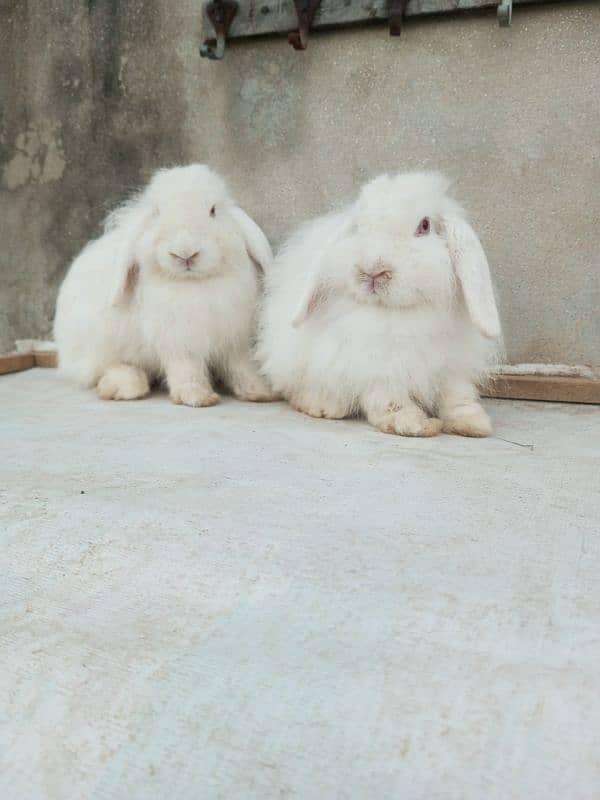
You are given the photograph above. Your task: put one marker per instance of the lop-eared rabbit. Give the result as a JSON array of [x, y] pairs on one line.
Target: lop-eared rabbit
[[169, 291], [386, 309]]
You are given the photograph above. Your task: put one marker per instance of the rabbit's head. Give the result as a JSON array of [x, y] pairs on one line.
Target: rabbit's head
[[186, 226], [404, 244], [185, 237]]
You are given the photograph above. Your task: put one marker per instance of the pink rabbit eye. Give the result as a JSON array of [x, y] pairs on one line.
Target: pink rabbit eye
[[424, 227], [213, 211]]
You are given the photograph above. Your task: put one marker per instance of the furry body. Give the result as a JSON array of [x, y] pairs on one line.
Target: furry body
[[169, 291], [363, 316]]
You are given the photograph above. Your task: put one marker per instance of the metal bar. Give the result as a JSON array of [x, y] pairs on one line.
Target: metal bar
[[259, 17]]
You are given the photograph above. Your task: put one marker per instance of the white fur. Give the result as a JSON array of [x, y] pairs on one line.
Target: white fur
[[416, 344], [169, 291]]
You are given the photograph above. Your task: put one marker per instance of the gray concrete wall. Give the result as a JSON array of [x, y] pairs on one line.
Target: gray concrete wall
[[97, 94]]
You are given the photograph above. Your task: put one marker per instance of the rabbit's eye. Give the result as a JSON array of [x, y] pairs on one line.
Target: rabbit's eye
[[213, 211], [423, 227]]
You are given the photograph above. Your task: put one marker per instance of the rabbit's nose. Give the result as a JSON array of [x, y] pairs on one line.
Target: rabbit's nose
[[190, 259], [378, 277], [187, 260]]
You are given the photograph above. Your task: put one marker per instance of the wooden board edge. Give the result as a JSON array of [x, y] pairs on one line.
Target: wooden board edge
[[544, 387], [557, 389], [45, 358], [16, 362]]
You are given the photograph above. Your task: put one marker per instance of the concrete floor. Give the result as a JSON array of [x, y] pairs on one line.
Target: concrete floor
[[244, 603]]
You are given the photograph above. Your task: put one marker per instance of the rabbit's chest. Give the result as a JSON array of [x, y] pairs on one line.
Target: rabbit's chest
[[385, 344], [195, 318]]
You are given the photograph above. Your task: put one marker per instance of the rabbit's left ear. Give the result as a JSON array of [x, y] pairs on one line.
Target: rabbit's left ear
[[257, 244], [471, 267]]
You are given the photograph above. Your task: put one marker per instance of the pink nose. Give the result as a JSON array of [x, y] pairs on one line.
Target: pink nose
[[379, 278]]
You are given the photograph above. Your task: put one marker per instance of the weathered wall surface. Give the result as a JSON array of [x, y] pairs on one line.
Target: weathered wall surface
[[97, 94]]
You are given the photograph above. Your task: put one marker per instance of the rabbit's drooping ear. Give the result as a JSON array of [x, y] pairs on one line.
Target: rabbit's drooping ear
[[257, 244], [471, 267], [315, 295], [130, 222], [127, 272], [319, 289]]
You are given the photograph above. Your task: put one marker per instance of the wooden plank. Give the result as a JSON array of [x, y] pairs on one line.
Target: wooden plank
[[16, 362], [259, 17], [510, 387], [545, 387], [45, 358]]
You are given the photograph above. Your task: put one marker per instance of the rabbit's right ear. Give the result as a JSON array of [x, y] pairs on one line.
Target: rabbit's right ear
[[315, 295], [127, 273], [319, 289], [131, 224]]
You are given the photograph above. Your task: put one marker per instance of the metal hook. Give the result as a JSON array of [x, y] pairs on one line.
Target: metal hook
[[505, 13], [213, 48], [306, 10], [396, 10], [221, 14]]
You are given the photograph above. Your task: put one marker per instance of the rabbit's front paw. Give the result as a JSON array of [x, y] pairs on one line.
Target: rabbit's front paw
[[410, 421], [468, 420], [194, 394], [256, 390], [317, 406], [123, 382]]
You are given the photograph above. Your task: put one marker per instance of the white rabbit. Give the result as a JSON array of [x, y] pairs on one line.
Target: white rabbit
[[386, 309], [169, 291]]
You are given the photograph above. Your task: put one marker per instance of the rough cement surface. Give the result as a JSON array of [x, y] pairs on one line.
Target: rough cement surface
[[242, 603], [96, 95]]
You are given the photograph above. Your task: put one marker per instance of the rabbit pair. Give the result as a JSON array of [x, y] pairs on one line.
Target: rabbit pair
[[385, 308]]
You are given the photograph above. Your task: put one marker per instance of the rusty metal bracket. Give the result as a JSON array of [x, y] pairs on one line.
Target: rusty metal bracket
[[505, 13], [396, 9], [233, 19], [306, 10], [221, 14]]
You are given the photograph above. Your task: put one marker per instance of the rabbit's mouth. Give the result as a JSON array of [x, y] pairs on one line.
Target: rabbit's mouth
[[187, 266]]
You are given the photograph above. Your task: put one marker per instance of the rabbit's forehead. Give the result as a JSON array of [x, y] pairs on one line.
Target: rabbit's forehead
[[396, 210], [174, 217], [195, 177], [178, 196], [189, 207], [403, 198]]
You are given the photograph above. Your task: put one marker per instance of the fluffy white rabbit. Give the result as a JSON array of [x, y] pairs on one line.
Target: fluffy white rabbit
[[169, 291], [386, 309]]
